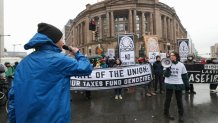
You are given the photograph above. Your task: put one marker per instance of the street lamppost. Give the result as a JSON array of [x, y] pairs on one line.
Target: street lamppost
[[14, 45], [2, 46]]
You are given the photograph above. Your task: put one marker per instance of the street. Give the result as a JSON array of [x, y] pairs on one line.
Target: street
[[136, 107]]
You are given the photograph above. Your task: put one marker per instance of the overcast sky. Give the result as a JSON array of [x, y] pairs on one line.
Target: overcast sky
[[199, 17]]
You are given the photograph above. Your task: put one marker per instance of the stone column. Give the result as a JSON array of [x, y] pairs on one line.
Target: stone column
[[174, 32], [130, 21], [157, 19], [81, 33], [169, 29], [112, 24], [165, 28], [108, 24], [143, 23], [134, 21], [100, 27], [77, 33], [151, 23], [87, 31]]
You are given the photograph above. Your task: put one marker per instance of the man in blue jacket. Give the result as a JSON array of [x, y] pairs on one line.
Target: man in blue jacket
[[40, 90]]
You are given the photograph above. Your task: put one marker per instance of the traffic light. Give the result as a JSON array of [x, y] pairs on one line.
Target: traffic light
[[92, 25], [96, 33]]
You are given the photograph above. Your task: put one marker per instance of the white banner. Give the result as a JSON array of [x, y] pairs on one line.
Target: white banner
[[163, 55], [152, 56], [109, 78]]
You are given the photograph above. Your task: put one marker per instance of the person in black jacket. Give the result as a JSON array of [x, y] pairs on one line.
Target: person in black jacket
[[190, 60], [213, 86], [158, 73]]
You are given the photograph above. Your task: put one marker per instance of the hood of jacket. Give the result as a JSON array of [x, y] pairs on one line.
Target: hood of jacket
[[41, 42]]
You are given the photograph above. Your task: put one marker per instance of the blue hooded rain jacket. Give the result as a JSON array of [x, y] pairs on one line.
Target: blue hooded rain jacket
[[40, 91]]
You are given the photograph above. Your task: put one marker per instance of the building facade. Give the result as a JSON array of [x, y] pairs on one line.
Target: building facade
[[214, 51], [114, 17]]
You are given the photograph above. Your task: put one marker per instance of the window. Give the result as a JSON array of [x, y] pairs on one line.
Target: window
[[121, 24], [105, 27]]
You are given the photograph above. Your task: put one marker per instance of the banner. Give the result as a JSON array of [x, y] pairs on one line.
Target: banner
[[111, 53], [163, 55], [126, 49], [183, 48], [202, 73], [152, 47], [110, 78], [152, 56]]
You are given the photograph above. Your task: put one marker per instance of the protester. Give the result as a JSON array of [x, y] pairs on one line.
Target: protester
[[176, 79], [15, 64], [158, 74], [110, 61], [148, 87], [40, 91], [190, 60], [2, 70], [103, 62], [213, 86], [203, 61], [118, 91], [9, 73]]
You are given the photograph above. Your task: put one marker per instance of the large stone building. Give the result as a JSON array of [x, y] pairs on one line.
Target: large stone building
[[114, 17], [214, 51]]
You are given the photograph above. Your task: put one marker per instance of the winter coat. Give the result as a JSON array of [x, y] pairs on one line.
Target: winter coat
[[158, 68], [9, 72], [41, 87]]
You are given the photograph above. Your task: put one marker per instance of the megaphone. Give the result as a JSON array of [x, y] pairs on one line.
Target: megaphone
[[166, 62]]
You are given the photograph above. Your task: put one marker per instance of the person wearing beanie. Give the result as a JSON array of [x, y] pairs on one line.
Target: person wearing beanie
[[52, 32], [176, 79], [40, 91]]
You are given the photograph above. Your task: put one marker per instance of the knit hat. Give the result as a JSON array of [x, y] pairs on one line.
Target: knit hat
[[52, 32], [157, 57]]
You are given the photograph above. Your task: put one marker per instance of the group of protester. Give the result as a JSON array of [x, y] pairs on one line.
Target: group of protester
[[107, 62], [7, 71], [40, 89]]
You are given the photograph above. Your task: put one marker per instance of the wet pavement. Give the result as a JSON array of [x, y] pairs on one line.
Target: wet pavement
[[136, 107]]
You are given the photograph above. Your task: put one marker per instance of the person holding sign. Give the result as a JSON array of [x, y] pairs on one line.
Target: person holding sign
[[176, 79], [118, 91], [190, 60]]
